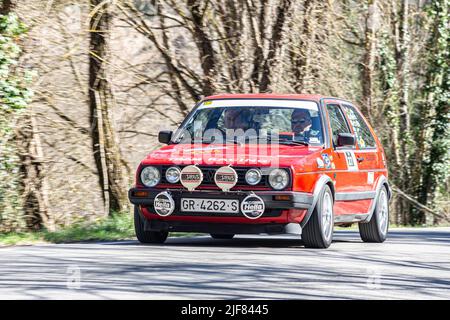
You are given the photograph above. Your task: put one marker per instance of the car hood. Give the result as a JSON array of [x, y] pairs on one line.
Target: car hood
[[230, 154]]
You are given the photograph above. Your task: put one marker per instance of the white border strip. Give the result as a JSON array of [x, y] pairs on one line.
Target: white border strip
[[260, 103]]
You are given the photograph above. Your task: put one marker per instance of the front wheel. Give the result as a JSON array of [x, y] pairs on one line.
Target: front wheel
[[147, 236], [377, 228], [318, 231]]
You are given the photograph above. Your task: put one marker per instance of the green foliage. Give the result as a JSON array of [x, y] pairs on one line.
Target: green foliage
[[118, 226], [115, 227], [389, 83], [14, 98], [389, 95], [437, 96], [13, 238], [14, 92]]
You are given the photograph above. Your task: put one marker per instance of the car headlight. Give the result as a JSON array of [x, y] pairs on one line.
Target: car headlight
[[253, 176], [150, 176], [278, 179], [173, 174]]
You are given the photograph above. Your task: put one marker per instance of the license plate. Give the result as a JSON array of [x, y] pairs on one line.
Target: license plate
[[209, 205]]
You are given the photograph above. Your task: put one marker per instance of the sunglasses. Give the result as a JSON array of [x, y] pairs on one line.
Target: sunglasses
[[299, 121]]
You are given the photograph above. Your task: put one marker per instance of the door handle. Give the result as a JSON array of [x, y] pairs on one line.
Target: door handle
[[360, 159]]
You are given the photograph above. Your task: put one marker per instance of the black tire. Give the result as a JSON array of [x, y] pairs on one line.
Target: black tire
[[314, 234], [147, 236], [374, 230], [222, 236]]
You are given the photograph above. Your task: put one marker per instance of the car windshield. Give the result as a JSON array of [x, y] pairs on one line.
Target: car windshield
[[291, 122]]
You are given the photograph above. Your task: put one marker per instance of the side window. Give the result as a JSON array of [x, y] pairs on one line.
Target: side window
[[337, 121], [363, 135]]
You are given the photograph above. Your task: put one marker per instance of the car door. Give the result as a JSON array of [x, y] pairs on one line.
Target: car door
[[350, 182], [346, 173], [366, 153]]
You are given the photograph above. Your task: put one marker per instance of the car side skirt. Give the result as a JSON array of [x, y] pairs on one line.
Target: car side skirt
[[353, 196], [363, 217], [350, 218]]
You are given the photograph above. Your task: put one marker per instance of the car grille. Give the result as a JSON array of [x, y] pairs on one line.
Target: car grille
[[208, 178]]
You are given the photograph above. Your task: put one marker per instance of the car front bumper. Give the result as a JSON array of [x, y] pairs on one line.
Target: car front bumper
[[295, 200], [292, 208]]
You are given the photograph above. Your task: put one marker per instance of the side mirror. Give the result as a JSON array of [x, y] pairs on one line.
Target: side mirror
[[165, 136], [346, 140]]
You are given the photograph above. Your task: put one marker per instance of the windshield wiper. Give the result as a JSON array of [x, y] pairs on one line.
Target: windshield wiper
[[288, 142], [269, 139], [293, 142], [227, 140]]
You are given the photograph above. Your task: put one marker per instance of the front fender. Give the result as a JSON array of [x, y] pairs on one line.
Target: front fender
[[321, 182]]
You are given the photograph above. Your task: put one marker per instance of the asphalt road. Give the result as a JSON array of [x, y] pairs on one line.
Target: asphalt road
[[411, 264]]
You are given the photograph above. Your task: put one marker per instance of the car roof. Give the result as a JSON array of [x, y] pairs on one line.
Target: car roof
[[311, 97]]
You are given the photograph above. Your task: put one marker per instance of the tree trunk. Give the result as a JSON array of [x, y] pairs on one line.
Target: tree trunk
[[205, 48], [301, 56], [6, 7], [33, 180], [402, 44], [256, 20], [274, 45], [113, 176], [369, 58]]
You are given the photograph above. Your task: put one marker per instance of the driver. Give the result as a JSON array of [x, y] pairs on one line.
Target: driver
[[236, 119], [301, 125]]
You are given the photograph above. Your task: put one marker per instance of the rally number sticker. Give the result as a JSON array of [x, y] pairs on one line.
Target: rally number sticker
[[352, 164]]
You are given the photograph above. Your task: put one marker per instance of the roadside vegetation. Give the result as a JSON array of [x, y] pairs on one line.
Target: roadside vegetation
[[118, 226], [115, 227]]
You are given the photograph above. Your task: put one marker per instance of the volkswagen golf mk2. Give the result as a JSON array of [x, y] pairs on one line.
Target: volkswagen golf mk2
[[265, 164]]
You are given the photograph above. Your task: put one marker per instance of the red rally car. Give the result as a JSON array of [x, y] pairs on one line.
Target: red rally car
[[265, 164]]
